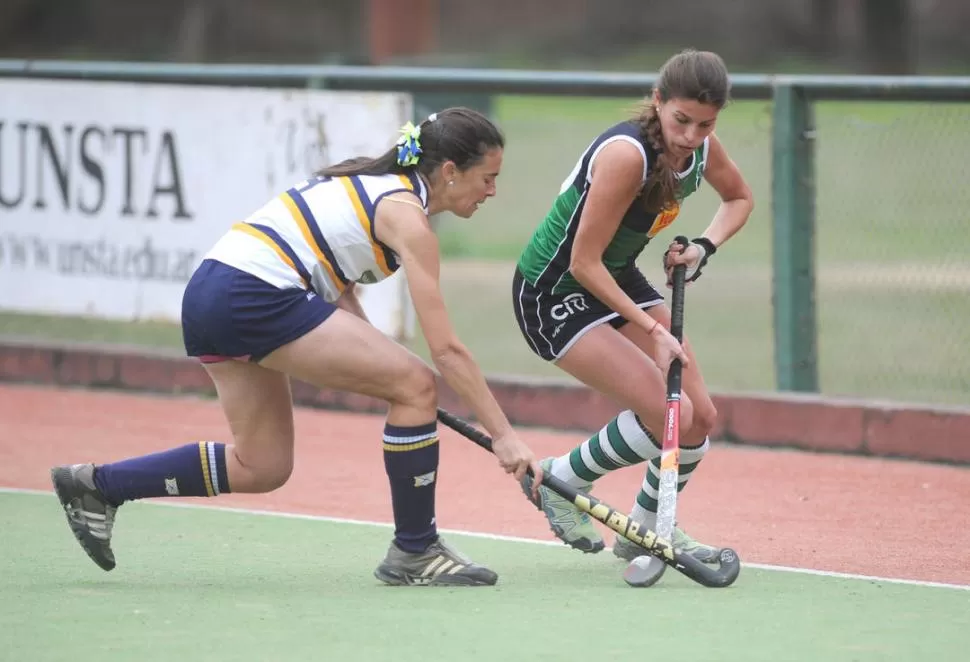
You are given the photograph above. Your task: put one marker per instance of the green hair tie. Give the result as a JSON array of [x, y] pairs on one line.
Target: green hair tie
[[409, 145]]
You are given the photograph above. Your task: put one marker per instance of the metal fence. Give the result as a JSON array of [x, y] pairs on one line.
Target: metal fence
[[849, 279]]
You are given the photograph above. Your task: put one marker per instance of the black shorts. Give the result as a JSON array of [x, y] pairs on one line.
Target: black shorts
[[551, 323]]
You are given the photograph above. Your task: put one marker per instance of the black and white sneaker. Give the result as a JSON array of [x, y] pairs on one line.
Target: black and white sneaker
[[439, 565], [90, 516]]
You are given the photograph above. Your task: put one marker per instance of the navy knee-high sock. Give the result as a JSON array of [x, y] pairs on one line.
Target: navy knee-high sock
[[411, 462], [197, 469]]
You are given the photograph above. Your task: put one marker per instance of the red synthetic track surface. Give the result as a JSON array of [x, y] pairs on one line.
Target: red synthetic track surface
[[826, 512]]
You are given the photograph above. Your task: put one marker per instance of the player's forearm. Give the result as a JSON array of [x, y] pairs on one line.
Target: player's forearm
[[460, 371], [730, 217], [595, 277]]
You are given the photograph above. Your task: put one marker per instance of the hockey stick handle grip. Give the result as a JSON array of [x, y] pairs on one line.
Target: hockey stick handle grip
[[465, 429], [677, 296], [677, 321]]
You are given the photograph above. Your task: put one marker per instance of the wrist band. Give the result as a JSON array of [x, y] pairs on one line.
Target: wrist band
[[707, 244]]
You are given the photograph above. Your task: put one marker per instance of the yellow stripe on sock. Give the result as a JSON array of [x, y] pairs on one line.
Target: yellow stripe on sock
[[411, 447], [206, 476]]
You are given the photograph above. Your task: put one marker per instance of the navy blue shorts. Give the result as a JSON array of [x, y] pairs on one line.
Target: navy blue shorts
[[230, 314]]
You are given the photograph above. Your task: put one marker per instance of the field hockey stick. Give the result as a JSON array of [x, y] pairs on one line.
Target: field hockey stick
[[704, 574], [643, 571]]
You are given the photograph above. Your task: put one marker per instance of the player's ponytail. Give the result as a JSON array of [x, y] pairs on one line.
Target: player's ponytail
[[691, 75], [459, 135], [660, 190]]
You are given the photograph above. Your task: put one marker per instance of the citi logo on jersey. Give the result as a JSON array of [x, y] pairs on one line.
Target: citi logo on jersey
[[570, 305]]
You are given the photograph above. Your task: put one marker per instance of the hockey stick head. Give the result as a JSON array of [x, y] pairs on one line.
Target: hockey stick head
[[645, 571]]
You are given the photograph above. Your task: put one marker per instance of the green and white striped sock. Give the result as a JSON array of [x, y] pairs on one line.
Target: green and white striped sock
[[644, 510], [622, 442]]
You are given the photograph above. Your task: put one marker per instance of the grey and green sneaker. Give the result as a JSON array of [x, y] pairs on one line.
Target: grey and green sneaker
[[626, 550], [90, 516], [683, 543], [439, 565], [700, 551], [569, 523]]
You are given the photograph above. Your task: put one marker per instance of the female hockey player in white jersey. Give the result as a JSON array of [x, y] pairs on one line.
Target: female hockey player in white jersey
[[274, 299]]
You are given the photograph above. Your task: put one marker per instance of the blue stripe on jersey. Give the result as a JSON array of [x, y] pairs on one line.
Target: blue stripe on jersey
[[416, 183], [370, 211], [311, 222], [313, 181], [365, 201], [286, 248]]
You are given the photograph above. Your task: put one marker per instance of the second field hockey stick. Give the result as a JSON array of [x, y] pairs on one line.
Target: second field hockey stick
[[661, 548], [643, 571]]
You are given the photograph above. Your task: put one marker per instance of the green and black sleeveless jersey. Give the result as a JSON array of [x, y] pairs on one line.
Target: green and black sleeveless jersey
[[544, 262]]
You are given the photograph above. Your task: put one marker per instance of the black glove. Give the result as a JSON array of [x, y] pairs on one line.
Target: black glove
[[707, 249]]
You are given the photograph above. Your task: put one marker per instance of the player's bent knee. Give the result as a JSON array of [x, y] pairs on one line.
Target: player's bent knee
[[656, 420], [705, 417], [687, 415], [418, 389], [262, 474], [273, 477]]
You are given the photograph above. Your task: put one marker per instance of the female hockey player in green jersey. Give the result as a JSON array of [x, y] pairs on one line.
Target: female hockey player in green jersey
[[582, 303]]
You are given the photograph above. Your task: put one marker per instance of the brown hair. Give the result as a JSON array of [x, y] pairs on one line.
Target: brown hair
[[699, 76], [458, 134]]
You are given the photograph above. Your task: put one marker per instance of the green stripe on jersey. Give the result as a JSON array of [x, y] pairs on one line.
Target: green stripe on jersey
[[547, 254]]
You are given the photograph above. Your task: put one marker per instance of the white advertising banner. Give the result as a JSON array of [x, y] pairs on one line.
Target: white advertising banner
[[110, 193]]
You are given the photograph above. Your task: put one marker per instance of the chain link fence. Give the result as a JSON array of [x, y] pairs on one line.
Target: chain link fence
[[893, 285]]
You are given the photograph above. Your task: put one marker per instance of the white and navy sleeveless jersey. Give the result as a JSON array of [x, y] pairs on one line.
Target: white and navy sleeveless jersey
[[318, 235], [545, 260]]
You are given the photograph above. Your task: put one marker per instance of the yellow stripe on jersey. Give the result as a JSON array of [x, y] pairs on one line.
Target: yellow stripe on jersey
[[407, 182], [365, 223], [206, 474], [304, 226], [253, 232]]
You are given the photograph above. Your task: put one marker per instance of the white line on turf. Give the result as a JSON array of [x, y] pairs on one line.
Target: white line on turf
[[494, 536]]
